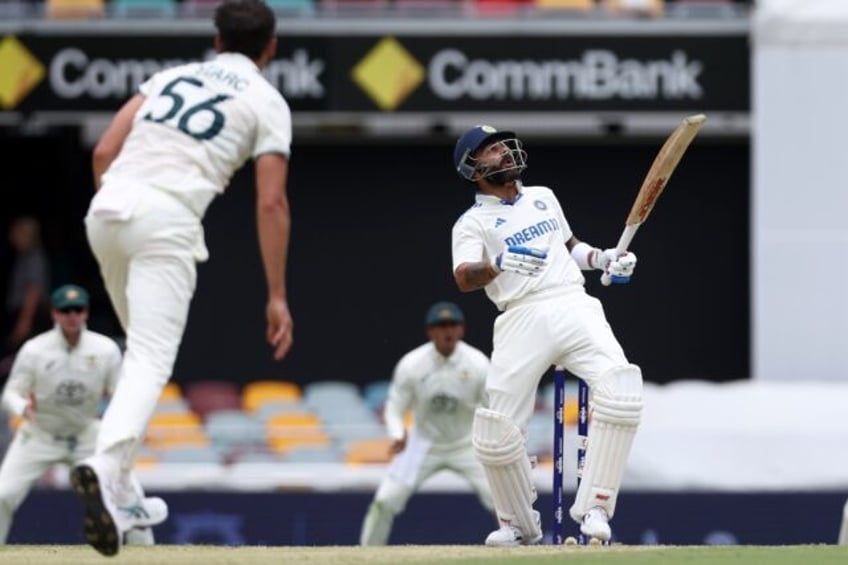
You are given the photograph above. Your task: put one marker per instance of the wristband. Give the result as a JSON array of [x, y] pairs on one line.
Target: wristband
[[581, 252]]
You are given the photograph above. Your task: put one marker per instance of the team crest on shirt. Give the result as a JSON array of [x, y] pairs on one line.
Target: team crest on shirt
[[443, 404], [91, 361], [70, 393], [540, 205]]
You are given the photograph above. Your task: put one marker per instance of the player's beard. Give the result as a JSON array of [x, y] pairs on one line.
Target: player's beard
[[504, 177]]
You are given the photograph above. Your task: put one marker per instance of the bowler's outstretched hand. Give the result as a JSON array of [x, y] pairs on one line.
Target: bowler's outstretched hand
[[280, 327]]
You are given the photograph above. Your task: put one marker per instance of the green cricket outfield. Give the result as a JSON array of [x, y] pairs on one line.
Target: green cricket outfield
[[435, 554]]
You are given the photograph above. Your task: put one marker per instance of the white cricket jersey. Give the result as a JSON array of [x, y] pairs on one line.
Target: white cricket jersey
[[535, 219], [68, 383], [443, 393], [199, 123]]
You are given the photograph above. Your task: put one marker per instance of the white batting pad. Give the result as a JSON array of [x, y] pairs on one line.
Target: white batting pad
[[616, 412], [499, 446]]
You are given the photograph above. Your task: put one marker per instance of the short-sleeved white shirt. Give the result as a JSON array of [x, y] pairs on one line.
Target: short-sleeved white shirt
[[68, 383], [534, 219], [199, 123], [442, 392]]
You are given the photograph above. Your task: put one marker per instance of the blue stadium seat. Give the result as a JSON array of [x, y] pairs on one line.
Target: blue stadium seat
[[143, 8], [375, 394], [292, 7], [313, 454], [190, 454], [275, 407], [227, 429]]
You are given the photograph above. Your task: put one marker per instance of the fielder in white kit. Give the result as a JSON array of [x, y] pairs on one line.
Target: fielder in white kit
[[56, 385], [169, 151], [442, 383], [516, 244]]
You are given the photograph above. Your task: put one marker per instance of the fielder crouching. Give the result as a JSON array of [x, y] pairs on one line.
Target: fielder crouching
[[56, 385], [515, 243], [441, 383]]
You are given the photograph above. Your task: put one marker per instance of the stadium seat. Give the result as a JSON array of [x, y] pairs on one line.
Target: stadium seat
[[375, 394], [172, 406], [175, 429], [356, 422], [205, 397], [275, 407], [330, 389], [257, 393], [291, 7], [190, 454], [331, 398], [171, 391], [143, 8], [146, 457], [285, 431], [199, 8], [368, 451], [312, 454], [229, 429], [637, 8], [568, 5], [345, 433], [253, 456], [74, 9]]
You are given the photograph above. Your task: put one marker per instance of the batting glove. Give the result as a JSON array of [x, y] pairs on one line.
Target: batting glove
[[620, 269], [526, 261]]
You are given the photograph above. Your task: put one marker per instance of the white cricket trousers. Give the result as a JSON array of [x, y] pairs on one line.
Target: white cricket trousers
[[32, 452], [408, 470], [148, 264], [560, 327]]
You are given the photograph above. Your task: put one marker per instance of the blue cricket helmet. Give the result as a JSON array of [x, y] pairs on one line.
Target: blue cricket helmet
[[469, 142]]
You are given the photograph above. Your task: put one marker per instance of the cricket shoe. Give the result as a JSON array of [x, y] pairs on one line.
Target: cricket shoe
[[139, 536], [110, 509], [595, 524], [511, 536], [153, 510]]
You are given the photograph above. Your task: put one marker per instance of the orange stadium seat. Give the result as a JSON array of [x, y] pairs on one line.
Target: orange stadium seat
[[295, 429], [638, 8], [572, 5], [368, 451], [74, 9], [171, 391], [257, 393], [172, 429]]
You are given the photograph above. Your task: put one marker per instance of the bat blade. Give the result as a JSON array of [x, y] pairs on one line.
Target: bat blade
[[656, 180], [663, 166]]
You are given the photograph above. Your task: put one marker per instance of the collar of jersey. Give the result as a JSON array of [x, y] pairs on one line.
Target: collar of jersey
[[57, 329], [490, 199], [236, 59]]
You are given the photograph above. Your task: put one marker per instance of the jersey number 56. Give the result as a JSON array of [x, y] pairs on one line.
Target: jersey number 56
[[180, 114]]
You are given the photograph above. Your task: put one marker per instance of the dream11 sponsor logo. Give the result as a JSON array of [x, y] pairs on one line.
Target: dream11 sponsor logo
[[73, 74], [599, 74]]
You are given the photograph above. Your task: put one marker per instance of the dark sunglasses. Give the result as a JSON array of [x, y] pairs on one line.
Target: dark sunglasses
[[72, 310], [445, 324]]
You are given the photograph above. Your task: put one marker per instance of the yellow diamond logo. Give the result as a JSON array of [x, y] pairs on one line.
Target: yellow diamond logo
[[388, 73], [21, 72]]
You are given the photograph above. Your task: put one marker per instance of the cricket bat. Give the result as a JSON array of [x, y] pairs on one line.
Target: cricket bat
[[663, 166]]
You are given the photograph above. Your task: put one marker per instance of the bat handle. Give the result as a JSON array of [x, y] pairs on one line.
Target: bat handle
[[621, 248]]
